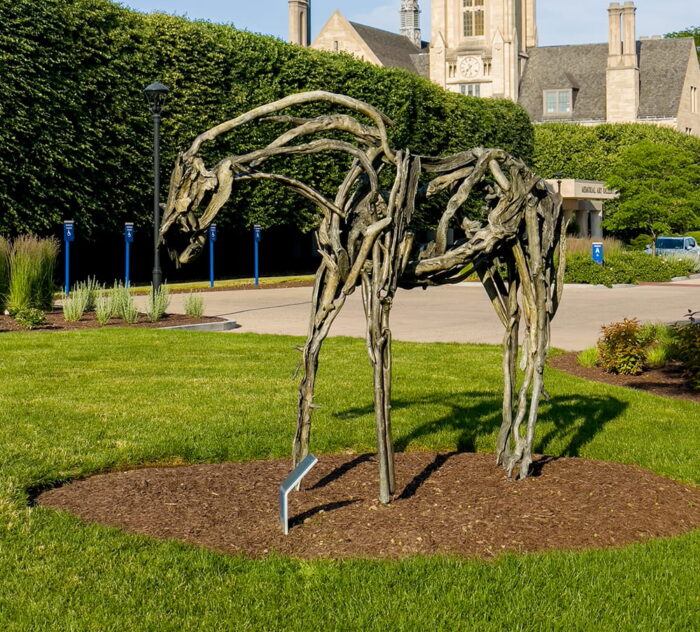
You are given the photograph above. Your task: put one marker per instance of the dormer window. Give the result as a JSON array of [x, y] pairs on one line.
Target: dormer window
[[472, 18], [558, 102]]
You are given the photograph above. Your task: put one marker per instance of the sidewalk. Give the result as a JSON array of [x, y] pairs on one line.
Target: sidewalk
[[459, 313]]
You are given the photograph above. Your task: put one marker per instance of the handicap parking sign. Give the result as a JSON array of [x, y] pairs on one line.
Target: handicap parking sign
[[69, 231]]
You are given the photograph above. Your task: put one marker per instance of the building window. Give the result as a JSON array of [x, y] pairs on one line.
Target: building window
[[473, 18], [451, 71], [693, 99], [689, 130], [558, 102], [336, 46], [470, 89]]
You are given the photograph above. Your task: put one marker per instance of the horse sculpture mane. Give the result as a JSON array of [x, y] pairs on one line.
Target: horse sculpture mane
[[365, 239]]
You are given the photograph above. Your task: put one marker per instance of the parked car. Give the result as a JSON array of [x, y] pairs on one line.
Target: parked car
[[674, 246]]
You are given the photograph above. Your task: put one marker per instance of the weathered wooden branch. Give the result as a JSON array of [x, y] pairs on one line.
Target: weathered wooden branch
[[365, 239]]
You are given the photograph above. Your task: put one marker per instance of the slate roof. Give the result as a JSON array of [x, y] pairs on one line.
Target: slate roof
[[394, 50], [663, 65]]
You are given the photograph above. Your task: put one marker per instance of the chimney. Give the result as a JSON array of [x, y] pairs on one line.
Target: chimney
[[622, 81], [300, 22], [615, 34]]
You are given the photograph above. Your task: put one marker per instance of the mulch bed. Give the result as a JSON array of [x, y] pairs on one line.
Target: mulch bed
[[55, 322], [455, 503], [669, 381]]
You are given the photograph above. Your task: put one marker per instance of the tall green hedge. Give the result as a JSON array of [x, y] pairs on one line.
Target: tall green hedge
[[75, 135]]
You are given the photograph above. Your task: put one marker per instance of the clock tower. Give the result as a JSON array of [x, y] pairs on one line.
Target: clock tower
[[479, 47]]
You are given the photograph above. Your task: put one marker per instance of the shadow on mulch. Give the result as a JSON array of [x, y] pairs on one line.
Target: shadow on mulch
[[455, 504], [669, 381]]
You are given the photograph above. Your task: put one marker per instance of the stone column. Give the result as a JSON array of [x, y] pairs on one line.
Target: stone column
[[596, 224], [582, 223]]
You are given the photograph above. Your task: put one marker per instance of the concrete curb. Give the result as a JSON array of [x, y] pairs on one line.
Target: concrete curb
[[225, 325]]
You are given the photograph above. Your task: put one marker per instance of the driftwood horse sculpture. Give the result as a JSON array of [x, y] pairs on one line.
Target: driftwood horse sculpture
[[365, 239]]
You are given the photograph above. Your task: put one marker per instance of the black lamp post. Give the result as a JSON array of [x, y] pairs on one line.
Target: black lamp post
[[156, 94], [558, 177]]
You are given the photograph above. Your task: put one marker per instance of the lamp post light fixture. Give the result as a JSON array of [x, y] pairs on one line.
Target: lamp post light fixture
[[156, 94], [559, 178]]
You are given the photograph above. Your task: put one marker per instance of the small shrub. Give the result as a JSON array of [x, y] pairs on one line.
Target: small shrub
[[158, 302], [29, 317], [588, 357], [621, 348], [103, 308], [74, 304], [194, 305], [32, 263], [686, 348]]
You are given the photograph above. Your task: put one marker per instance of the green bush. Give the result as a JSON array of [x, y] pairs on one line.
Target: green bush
[[640, 242], [78, 69], [626, 267], [29, 317], [5, 250], [686, 348], [32, 263], [695, 235], [621, 348]]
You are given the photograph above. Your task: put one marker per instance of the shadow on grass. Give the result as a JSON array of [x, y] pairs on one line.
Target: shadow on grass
[[572, 419]]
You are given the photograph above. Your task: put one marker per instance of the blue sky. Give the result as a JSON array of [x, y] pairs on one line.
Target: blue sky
[[559, 21]]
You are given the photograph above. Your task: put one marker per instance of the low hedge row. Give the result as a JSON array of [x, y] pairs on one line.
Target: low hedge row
[[625, 267]]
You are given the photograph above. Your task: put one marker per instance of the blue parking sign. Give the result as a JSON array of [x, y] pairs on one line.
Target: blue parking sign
[[129, 233], [212, 232], [69, 231], [258, 233], [597, 252]]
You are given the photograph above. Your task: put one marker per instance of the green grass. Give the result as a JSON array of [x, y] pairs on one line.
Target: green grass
[[76, 403]]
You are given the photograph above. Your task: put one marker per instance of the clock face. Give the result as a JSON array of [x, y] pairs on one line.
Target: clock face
[[470, 67]]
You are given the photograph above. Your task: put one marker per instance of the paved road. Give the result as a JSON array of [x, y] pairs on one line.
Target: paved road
[[459, 313]]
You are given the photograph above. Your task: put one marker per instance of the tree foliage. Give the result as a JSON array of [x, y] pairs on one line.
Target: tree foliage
[[630, 157], [659, 189], [75, 133]]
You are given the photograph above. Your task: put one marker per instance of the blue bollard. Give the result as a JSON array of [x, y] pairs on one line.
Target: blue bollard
[[68, 237], [212, 241], [128, 240]]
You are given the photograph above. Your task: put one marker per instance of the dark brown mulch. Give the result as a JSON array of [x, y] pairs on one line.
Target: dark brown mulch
[[55, 322], [454, 503], [669, 381]]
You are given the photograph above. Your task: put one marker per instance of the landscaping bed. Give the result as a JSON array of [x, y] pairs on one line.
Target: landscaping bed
[[448, 503], [55, 321], [669, 381]]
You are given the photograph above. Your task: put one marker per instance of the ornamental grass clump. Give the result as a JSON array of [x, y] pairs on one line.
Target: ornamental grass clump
[[158, 302], [194, 305], [622, 348], [91, 288], [32, 263], [5, 249], [75, 304], [103, 308], [121, 300]]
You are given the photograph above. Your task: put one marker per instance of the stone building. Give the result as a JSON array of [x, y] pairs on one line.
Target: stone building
[[488, 48]]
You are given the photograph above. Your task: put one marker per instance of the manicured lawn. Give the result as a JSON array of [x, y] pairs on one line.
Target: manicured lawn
[[76, 403]]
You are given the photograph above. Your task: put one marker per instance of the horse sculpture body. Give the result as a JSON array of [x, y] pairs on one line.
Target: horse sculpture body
[[365, 239]]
